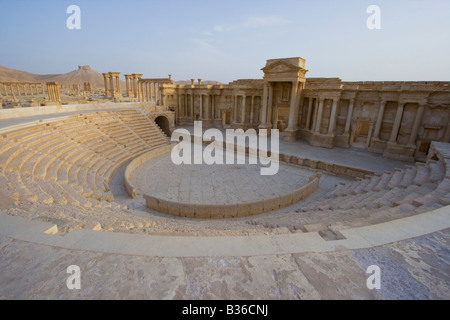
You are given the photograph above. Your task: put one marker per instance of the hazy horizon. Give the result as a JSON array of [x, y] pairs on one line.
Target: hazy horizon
[[226, 41]]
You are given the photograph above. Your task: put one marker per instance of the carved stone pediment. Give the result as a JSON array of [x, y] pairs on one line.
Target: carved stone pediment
[[281, 67]]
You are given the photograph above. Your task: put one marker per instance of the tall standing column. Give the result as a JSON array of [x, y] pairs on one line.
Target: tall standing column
[[192, 105], [105, 79], [264, 104], [269, 105], [111, 84], [376, 133], [201, 104], [6, 90], [349, 116], [244, 97], [416, 125], [397, 122], [308, 115], [319, 116], [332, 123], [252, 111], [213, 106], [12, 92], [293, 109]]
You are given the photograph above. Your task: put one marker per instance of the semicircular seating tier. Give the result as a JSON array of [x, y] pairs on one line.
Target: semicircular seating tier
[[71, 160]]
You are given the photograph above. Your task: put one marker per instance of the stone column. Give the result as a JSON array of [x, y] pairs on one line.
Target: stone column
[[308, 115], [319, 116], [6, 90], [201, 105], [270, 105], [349, 116], [376, 133], [192, 105], [264, 104], [332, 123], [252, 107], [244, 97], [208, 107], [31, 89], [12, 92], [18, 88], [397, 122], [416, 125], [111, 84], [156, 92], [293, 109], [213, 107], [105, 79], [119, 90], [199, 82]]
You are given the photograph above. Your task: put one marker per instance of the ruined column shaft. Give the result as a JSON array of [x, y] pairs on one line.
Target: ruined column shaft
[[319, 116], [332, 123], [416, 125], [349, 116], [397, 122], [376, 133]]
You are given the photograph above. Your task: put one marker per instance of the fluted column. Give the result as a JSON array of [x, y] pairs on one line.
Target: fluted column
[[269, 105]]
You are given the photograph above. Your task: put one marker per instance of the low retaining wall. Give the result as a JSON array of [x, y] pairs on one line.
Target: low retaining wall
[[237, 210], [55, 109], [214, 211]]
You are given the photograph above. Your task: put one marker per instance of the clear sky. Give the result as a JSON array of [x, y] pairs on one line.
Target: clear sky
[[228, 39]]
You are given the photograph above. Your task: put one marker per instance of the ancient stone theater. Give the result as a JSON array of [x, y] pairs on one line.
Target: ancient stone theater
[[364, 169]]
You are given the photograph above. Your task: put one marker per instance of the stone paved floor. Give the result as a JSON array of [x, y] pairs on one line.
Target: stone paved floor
[[217, 183], [412, 269]]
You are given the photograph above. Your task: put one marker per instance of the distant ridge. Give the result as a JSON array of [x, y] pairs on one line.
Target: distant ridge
[[80, 76]]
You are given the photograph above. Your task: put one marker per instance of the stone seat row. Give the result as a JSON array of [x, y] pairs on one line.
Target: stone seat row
[[68, 161]]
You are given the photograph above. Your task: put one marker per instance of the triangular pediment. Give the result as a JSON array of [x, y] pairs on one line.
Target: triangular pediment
[[281, 67]]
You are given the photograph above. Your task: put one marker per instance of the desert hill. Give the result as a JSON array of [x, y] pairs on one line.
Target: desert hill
[[80, 76]]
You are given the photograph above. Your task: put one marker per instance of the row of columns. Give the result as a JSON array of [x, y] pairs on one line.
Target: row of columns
[[266, 111], [22, 87], [53, 91], [317, 119], [131, 83], [148, 91], [187, 103], [243, 108], [112, 84]]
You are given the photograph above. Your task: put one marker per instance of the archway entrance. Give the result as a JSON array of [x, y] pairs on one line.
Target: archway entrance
[[163, 123]]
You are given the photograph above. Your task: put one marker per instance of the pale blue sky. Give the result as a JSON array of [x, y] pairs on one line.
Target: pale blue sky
[[228, 40]]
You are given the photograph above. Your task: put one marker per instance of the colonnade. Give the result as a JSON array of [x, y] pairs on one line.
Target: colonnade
[[21, 89], [53, 91], [112, 84]]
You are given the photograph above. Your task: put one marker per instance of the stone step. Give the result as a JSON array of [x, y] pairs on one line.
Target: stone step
[[408, 177], [422, 174], [396, 179], [16, 183], [9, 154], [384, 181], [35, 188], [437, 171]]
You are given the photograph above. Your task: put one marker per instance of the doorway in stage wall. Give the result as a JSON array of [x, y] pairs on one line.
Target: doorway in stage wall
[[361, 135]]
